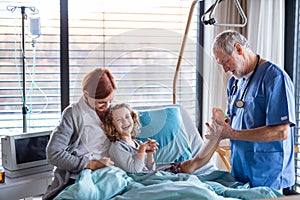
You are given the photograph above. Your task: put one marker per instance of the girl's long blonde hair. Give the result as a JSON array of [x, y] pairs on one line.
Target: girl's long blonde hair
[[109, 128]]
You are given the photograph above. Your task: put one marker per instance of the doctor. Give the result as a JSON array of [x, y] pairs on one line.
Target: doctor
[[261, 111]]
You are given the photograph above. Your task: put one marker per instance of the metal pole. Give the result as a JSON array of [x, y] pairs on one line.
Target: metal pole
[[24, 17], [24, 107]]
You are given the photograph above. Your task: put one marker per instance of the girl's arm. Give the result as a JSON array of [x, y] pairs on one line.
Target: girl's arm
[[141, 152], [152, 148], [124, 157], [150, 161]]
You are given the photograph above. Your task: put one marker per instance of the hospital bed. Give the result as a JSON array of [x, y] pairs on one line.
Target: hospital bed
[[179, 139]]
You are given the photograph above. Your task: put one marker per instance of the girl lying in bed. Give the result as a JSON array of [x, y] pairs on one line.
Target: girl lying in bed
[[132, 155]]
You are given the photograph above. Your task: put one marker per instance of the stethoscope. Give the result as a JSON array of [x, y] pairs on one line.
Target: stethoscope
[[241, 103]]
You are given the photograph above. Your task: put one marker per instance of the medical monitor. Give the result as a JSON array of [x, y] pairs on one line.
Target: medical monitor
[[25, 153]]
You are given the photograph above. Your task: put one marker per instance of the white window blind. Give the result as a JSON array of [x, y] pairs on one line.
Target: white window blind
[[41, 67], [138, 40], [297, 102]]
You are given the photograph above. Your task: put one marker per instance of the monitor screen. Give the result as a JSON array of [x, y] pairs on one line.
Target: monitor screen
[[31, 149]]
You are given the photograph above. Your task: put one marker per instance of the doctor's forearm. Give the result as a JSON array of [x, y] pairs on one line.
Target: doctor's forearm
[[262, 134]]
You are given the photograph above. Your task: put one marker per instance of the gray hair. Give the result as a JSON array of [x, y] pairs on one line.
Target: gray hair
[[227, 39]]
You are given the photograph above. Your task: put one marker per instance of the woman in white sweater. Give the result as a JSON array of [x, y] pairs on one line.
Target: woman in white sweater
[[78, 142]]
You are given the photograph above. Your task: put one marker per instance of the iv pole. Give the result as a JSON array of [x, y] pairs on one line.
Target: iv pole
[[24, 106], [24, 16]]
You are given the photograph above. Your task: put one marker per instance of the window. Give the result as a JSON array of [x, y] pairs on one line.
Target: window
[[138, 40], [297, 101], [41, 68], [292, 66], [140, 44]]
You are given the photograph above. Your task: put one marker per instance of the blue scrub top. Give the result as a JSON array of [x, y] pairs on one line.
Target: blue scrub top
[[269, 100]]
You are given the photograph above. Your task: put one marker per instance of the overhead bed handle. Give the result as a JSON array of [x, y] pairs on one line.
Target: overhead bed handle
[[182, 49], [211, 15], [212, 21]]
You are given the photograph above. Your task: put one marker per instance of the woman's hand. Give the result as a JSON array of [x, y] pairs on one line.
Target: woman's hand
[[98, 164]]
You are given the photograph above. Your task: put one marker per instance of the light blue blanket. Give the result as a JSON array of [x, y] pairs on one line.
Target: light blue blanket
[[114, 183]]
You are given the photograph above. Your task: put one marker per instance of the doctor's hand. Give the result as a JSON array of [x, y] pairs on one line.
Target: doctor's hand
[[218, 116]]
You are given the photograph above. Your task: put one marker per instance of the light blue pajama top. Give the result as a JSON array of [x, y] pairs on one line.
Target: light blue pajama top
[[124, 156]]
